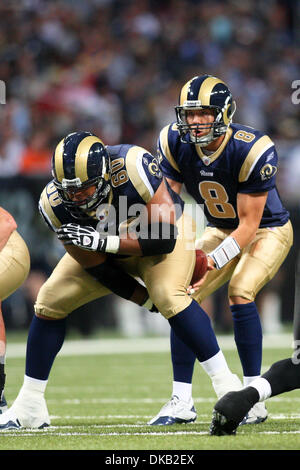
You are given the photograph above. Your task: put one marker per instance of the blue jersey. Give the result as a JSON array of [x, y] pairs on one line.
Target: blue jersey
[[135, 177], [246, 162]]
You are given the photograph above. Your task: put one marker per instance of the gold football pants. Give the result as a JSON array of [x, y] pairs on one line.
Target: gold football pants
[[165, 276], [256, 265], [14, 265]]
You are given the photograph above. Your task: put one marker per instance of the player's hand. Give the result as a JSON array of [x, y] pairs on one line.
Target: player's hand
[[196, 286], [88, 238]]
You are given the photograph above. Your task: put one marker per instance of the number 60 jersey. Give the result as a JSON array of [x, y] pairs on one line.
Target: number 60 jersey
[[135, 177], [246, 162]]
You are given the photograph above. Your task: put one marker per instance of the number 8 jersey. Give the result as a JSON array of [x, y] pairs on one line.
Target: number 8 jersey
[[245, 162]]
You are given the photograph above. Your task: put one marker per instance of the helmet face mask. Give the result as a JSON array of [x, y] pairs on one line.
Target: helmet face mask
[[80, 208], [80, 168], [201, 93]]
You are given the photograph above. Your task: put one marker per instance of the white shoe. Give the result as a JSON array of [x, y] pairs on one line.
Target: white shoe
[[176, 411], [29, 410], [225, 382], [257, 414]]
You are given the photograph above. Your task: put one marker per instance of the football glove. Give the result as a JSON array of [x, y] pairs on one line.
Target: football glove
[[88, 238]]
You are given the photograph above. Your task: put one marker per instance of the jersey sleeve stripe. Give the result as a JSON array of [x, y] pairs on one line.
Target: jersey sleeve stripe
[[48, 213], [165, 149], [256, 151], [136, 173]]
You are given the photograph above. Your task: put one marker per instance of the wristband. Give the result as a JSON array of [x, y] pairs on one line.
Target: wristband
[[225, 252], [149, 305], [112, 244]]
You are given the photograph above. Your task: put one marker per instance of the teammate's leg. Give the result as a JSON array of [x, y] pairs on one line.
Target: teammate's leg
[[283, 376], [167, 283], [2, 362], [14, 269], [68, 287]]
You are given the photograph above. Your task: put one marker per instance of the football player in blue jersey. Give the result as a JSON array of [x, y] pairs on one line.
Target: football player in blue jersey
[[119, 220], [230, 169], [14, 269]]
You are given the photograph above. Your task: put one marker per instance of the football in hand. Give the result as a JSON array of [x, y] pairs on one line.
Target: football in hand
[[200, 266]]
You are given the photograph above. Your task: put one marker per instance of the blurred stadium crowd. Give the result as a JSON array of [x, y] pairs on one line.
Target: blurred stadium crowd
[[115, 67]]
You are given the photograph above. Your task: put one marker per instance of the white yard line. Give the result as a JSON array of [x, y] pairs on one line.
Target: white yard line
[[102, 401], [49, 431]]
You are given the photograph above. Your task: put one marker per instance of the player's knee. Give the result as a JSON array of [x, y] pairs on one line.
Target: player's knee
[[170, 302], [50, 305], [43, 311], [238, 294], [237, 300]]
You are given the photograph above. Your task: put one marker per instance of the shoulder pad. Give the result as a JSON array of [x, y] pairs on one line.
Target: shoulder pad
[[49, 200]]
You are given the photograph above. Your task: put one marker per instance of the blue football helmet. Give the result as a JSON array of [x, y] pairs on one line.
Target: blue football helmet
[[80, 161], [204, 92]]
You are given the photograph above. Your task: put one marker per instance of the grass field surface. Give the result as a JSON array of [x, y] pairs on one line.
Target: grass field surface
[[102, 392]]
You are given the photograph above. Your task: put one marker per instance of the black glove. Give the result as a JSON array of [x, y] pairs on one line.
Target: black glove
[[149, 305], [154, 309]]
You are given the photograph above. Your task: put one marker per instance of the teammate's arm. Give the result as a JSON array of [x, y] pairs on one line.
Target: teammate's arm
[[7, 226]]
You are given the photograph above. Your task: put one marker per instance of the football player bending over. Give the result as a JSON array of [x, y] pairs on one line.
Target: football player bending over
[[230, 169], [14, 269], [118, 219]]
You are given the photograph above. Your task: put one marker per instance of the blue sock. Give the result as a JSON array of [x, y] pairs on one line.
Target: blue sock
[[192, 325], [45, 338], [183, 359], [248, 337]]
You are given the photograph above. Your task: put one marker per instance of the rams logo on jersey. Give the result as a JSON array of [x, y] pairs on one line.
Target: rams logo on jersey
[[154, 168], [268, 171]]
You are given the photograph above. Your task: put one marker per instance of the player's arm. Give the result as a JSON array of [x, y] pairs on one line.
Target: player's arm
[[250, 209], [175, 185], [158, 227], [7, 226], [115, 279], [157, 233]]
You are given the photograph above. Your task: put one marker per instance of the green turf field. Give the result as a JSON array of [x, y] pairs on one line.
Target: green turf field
[[102, 399]]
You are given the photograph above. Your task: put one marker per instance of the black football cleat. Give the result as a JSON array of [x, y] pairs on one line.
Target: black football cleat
[[230, 410], [221, 426]]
